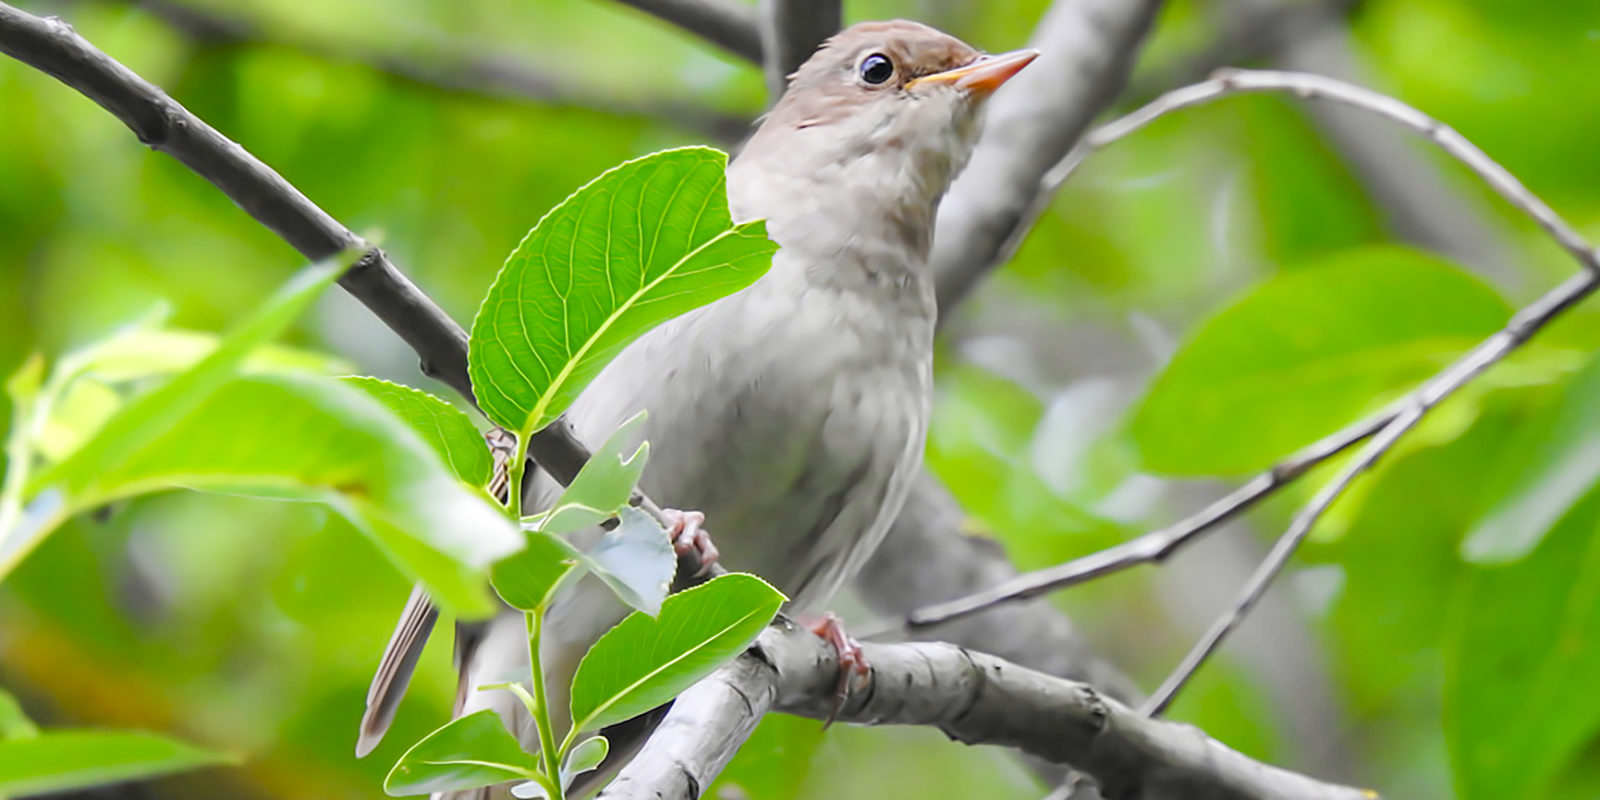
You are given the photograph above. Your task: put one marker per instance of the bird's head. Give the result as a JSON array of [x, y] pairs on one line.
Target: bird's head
[[886, 103]]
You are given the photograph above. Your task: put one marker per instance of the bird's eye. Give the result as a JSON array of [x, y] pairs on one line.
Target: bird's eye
[[876, 68]]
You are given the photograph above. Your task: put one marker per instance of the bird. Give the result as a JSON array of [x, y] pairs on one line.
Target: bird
[[791, 416]]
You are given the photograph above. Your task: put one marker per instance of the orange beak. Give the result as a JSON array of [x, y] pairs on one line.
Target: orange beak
[[984, 75]]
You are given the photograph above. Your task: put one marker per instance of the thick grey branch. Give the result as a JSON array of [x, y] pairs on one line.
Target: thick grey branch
[[790, 33], [1086, 49], [728, 24], [973, 698]]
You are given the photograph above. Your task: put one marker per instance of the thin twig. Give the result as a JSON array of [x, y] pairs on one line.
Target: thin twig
[[791, 30], [728, 24], [1415, 405], [1156, 546]]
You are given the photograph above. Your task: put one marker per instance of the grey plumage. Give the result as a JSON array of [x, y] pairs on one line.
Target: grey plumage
[[792, 413]]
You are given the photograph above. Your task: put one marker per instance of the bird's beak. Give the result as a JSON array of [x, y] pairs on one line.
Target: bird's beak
[[984, 75]]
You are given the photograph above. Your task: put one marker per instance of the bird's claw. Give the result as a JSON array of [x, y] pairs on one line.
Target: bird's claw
[[688, 536], [853, 666]]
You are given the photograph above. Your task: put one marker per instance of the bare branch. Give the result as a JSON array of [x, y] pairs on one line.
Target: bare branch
[[1086, 50], [791, 30], [1160, 544], [970, 696], [728, 24]]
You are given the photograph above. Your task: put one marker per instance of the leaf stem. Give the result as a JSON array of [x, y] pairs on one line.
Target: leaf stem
[[541, 706], [519, 462]]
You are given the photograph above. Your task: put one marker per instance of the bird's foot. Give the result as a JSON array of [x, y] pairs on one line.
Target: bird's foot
[[688, 536], [853, 666]]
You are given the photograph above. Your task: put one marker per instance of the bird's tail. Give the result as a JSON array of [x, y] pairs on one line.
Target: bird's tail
[[394, 670]]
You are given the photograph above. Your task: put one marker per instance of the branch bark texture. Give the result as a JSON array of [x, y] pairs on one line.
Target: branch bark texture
[[973, 698]]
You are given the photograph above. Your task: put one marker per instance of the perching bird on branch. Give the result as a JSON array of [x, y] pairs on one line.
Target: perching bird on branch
[[793, 413]]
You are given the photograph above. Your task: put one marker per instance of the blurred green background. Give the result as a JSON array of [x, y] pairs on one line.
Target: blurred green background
[[1277, 250]]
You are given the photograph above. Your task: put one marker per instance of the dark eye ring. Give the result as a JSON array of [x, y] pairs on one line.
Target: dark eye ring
[[876, 68]]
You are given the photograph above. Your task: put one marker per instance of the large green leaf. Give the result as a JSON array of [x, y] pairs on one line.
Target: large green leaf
[[305, 438], [447, 429], [644, 661], [1519, 690], [1562, 466], [1305, 353], [475, 750], [141, 421], [640, 244], [528, 579], [62, 760]]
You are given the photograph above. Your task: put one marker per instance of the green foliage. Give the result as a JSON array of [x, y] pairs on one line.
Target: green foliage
[[64, 760], [1562, 465], [638, 245], [446, 429], [1306, 353], [475, 750], [13, 723], [277, 436], [1524, 653], [644, 662], [604, 484], [528, 579]]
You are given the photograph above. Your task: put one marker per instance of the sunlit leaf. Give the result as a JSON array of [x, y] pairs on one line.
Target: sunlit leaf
[[150, 416], [644, 661], [1305, 353], [475, 750], [1562, 467], [1519, 691], [638, 245], [64, 760], [528, 579], [447, 429], [301, 438], [603, 485], [13, 723]]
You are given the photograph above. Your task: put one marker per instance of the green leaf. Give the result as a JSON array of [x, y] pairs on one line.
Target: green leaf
[[642, 243], [585, 757], [1519, 683], [14, 724], [604, 484], [1305, 353], [63, 760], [150, 416], [302, 438], [636, 560], [644, 662], [1563, 465], [528, 579], [447, 429], [475, 750]]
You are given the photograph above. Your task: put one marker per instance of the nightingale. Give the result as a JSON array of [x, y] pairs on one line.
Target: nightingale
[[793, 413]]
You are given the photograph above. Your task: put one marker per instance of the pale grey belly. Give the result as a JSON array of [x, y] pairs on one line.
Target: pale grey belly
[[787, 436]]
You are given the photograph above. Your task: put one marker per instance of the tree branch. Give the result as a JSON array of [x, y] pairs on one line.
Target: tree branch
[[973, 698], [728, 24], [1388, 425], [791, 30], [1086, 50]]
